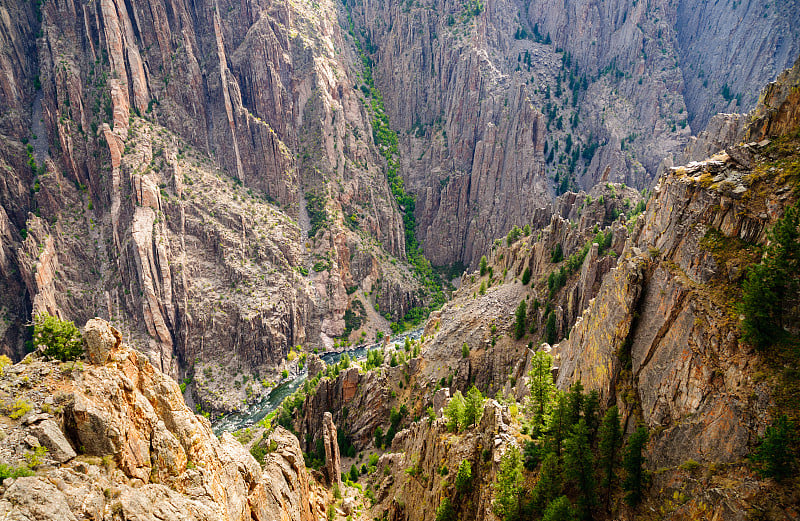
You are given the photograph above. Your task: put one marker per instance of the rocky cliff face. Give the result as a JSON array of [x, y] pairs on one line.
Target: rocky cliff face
[[205, 174], [500, 103], [142, 454], [653, 326]]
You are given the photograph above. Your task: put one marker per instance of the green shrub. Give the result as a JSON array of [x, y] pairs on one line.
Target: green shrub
[[775, 450], [13, 472], [60, 338], [772, 288]]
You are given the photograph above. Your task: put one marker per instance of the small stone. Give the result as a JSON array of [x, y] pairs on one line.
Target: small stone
[[31, 441]]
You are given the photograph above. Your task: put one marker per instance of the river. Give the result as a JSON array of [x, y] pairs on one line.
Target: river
[[257, 411]]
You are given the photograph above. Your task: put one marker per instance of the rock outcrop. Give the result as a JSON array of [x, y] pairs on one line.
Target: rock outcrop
[[333, 461], [143, 453]]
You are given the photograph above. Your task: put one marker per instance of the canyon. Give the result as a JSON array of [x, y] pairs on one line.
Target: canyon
[[217, 192]]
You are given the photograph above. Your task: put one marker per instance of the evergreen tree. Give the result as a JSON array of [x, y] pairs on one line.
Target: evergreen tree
[[540, 382], [508, 487], [446, 512], [454, 412], [557, 254], [772, 288], [483, 265], [775, 450], [464, 477], [550, 333], [558, 426], [550, 484], [633, 462], [526, 276], [473, 407], [610, 442], [464, 350], [575, 402], [591, 404], [579, 468], [559, 509], [60, 338], [519, 326]]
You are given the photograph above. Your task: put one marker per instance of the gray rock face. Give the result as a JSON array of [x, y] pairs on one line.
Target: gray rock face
[[50, 435], [333, 461], [653, 72]]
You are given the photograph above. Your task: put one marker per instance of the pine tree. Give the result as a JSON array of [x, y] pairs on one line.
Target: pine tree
[[464, 477], [591, 404], [550, 484], [558, 426], [508, 487], [550, 333], [483, 265], [610, 442], [540, 383], [633, 462], [575, 402], [454, 412], [473, 407], [772, 288], [446, 512], [464, 350], [775, 450], [526, 276], [559, 509], [579, 468], [519, 326]]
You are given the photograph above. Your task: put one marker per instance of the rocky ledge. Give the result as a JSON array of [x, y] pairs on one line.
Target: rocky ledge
[[111, 438]]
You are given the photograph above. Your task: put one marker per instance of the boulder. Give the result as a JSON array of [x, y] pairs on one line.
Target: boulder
[[101, 338], [52, 437]]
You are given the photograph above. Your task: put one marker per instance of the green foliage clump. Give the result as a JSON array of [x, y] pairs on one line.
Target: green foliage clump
[[483, 265], [526, 275], [520, 317], [508, 486], [633, 462], [7, 471], [775, 453], [464, 350], [60, 338], [559, 509], [473, 407], [464, 477], [771, 290]]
